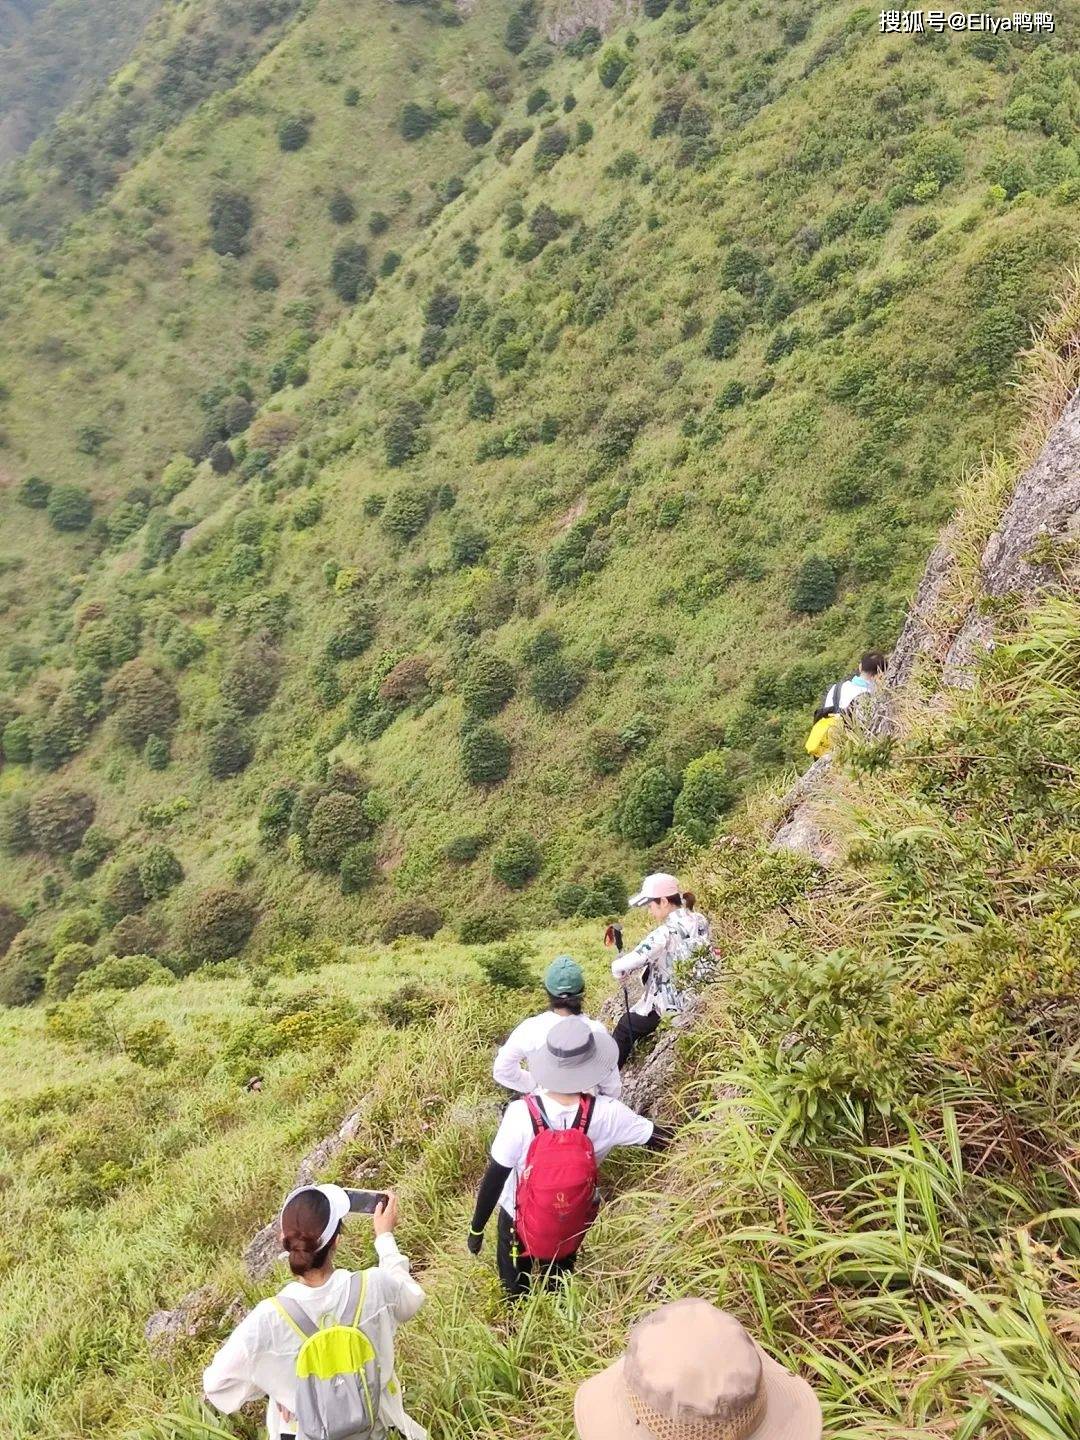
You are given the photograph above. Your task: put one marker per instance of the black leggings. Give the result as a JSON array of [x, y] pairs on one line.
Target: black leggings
[[516, 1270], [632, 1028]]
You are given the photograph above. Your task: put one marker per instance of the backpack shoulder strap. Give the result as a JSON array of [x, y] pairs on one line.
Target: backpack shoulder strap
[[296, 1316], [586, 1108], [354, 1300], [537, 1114]]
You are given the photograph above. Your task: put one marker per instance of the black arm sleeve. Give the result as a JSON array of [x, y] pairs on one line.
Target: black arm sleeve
[[661, 1137], [487, 1197]]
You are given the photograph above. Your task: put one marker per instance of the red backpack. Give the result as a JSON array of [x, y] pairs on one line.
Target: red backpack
[[557, 1198]]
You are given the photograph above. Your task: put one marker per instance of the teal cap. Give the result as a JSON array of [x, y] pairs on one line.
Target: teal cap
[[564, 976]]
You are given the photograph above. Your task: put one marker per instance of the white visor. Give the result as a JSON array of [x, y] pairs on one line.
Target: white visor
[[339, 1208]]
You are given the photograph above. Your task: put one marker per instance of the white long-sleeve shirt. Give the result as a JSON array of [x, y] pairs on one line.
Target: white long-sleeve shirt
[[511, 1070], [683, 932], [259, 1357]]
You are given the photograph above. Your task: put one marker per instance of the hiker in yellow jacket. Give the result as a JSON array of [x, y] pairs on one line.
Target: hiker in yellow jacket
[[839, 698]]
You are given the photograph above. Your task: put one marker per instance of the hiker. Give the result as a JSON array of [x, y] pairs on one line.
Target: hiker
[[679, 932], [564, 983], [544, 1158], [260, 1356], [690, 1371], [839, 698]]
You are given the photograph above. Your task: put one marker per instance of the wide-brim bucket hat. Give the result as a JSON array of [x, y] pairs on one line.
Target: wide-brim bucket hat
[[573, 1057], [691, 1372]]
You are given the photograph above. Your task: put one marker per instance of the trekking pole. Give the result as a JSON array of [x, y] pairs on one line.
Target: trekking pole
[[613, 936]]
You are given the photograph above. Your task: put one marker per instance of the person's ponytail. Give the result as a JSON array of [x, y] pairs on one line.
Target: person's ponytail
[[689, 899]]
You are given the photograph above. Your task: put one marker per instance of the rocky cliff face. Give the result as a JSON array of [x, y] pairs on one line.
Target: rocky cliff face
[[563, 19], [1031, 548]]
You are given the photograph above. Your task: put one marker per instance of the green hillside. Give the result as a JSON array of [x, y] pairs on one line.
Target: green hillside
[[584, 454]]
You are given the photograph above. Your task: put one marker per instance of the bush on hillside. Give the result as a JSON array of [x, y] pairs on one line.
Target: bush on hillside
[[507, 968], [337, 822], [814, 587], [411, 1004], [69, 962], [708, 790], [511, 140], [485, 926], [555, 683], [293, 132], [276, 812], [218, 923], [644, 811], [221, 458], [251, 678], [517, 861], [122, 972], [464, 848], [80, 927], [16, 836], [95, 846], [592, 899], [264, 276], [485, 756], [357, 870], [230, 746], [352, 96], [156, 753], [34, 492], [414, 121], [143, 702], [23, 970], [518, 29], [159, 872], [69, 508], [414, 917], [342, 209], [403, 437], [724, 335], [551, 147], [468, 546], [349, 271], [355, 634], [378, 222], [16, 740], [59, 819], [231, 215], [610, 65], [136, 935], [11, 922], [406, 513], [487, 684], [122, 892], [237, 413], [272, 432], [407, 683]]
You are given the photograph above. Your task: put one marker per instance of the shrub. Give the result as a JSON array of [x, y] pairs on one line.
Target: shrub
[[143, 702], [390, 262], [16, 740], [464, 848], [272, 432], [407, 682], [814, 587], [95, 846], [357, 870], [11, 922], [568, 898], [510, 140], [337, 822], [159, 872], [708, 790], [378, 223], [251, 678], [23, 970], [518, 30], [724, 335], [485, 756], [468, 546], [293, 132], [555, 683], [645, 811], [355, 634], [68, 964], [552, 146], [517, 861], [414, 917], [135, 935], [80, 927], [414, 121], [16, 836], [484, 926], [487, 685], [507, 968], [605, 751], [156, 753], [349, 270], [351, 96], [536, 99], [610, 65], [403, 437], [411, 1004], [264, 276], [229, 747], [34, 492], [231, 215], [59, 819], [276, 812], [218, 924], [122, 972], [122, 893], [406, 513], [936, 159], [69, 508]]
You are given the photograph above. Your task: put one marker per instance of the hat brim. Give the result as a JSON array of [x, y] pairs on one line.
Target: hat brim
[[564, 1077], [792, 1410], [639, 899]]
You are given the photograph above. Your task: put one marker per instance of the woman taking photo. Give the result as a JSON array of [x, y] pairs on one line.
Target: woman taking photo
[[679, 932], [259, 1357]]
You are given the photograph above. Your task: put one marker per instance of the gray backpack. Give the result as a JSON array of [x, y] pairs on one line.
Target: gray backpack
[[338, 1385]]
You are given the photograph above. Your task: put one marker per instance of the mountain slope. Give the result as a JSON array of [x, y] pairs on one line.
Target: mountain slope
[[661, 414]]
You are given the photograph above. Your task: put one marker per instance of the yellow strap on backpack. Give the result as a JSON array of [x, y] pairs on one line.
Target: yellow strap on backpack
[[820, 738]]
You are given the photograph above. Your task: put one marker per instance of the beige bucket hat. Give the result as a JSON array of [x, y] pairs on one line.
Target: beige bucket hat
[[691, 1372]]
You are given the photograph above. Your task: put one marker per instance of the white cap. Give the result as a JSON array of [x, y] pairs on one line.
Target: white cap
[[339, 1208], [656, 887]]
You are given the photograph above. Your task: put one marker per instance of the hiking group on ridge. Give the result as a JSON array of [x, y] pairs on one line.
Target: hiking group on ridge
[[322, 1351]]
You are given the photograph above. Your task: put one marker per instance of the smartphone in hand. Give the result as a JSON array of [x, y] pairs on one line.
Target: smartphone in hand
[[366, 1202]]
